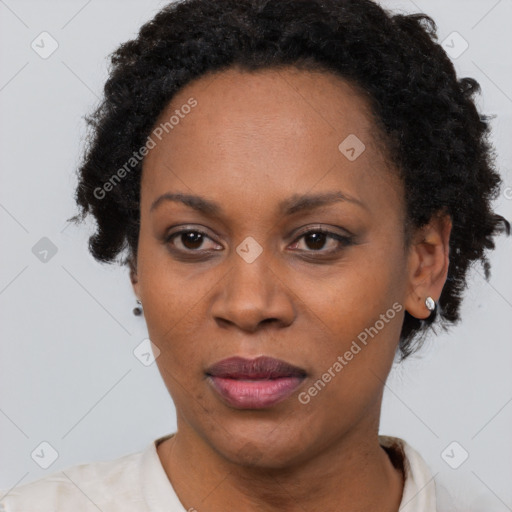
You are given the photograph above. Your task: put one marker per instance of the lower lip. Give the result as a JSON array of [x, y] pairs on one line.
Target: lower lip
[[255, 394]]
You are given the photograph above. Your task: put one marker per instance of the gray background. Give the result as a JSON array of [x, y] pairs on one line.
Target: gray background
[[68, 375]]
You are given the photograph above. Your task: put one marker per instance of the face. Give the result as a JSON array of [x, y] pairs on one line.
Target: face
[[287, 243]]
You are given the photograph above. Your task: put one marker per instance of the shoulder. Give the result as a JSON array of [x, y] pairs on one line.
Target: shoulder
[[419, 493], [105, 485]]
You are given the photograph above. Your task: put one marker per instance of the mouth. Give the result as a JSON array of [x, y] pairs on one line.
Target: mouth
[[254, 383]]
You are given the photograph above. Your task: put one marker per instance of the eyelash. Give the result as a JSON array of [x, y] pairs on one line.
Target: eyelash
[[343, 240]]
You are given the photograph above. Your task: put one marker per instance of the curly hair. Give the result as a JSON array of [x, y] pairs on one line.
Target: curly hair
[[434, 136]]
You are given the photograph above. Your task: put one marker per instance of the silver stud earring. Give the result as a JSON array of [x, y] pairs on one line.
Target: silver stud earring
[[430, 303], [138, 310]]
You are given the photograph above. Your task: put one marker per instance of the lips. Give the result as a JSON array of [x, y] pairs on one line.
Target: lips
[[254, 383], [260, 368]]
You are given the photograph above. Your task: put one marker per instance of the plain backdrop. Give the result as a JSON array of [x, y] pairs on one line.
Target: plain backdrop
[[68, 373]]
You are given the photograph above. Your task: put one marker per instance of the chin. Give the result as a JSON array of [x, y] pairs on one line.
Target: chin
[[260, 444]]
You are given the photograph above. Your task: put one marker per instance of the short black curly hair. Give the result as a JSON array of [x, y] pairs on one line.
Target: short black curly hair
[[435, 138]]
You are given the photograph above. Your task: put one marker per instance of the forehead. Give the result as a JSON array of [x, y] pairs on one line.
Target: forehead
[[268, 130]]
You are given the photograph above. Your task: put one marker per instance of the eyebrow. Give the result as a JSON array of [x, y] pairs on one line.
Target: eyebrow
[[294, 204]]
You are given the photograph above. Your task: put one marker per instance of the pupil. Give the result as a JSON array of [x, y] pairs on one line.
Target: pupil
[[318, 240], [192, 238]]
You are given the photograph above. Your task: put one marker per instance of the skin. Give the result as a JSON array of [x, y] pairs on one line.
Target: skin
[[252, 141]]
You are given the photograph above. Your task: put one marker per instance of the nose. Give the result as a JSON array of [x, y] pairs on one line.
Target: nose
[[253, 295]]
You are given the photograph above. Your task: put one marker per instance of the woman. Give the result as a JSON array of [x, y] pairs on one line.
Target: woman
[[299, 189]]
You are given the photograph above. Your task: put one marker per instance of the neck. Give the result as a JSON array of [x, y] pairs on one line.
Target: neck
[[352, 473]]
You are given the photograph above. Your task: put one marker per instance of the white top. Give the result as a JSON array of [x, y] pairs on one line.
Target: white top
[[138, 483]]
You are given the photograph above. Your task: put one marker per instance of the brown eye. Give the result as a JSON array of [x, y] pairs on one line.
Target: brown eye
[[191, 240], [188, 240], [315, 240]]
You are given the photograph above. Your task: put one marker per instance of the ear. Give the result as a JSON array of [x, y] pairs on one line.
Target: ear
[[428, 261]]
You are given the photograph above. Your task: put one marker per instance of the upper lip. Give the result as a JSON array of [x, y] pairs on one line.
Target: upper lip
[[262, 367]]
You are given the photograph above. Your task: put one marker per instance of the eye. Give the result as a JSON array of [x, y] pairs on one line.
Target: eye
[[190, 240], [194, 240], [316, 239]]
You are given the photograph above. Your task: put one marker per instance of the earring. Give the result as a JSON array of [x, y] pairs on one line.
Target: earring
[[138, 310], [430, 303]]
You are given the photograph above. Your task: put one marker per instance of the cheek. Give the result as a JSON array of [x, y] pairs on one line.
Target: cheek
[[174, 315], [352, 296], [169, 291], [351, 367], [175, 298], [359, 308]]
